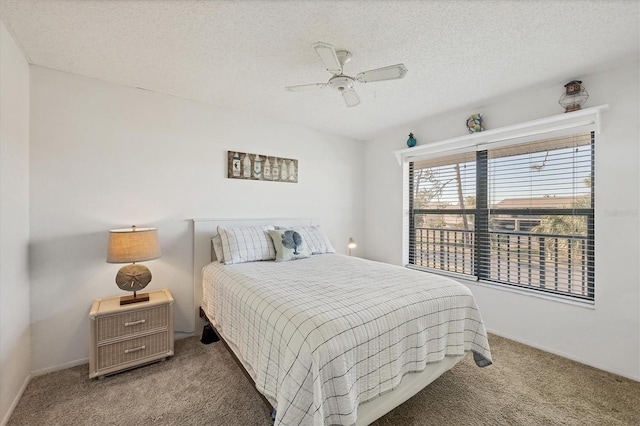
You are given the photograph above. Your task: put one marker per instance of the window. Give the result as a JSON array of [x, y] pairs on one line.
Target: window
[[520, 215]]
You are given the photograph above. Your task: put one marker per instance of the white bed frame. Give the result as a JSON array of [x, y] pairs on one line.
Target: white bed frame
[[205, 229]]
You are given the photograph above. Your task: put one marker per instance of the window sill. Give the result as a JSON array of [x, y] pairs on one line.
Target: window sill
[[588, 304], [464, 279]]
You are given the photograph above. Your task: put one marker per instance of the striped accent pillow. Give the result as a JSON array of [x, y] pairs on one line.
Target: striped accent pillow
[[246, 244]]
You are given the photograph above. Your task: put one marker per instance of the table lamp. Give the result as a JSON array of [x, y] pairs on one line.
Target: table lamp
[[351, 245], [133, 245]]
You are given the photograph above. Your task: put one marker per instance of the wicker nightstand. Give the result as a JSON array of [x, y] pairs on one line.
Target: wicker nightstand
[[127, 336]]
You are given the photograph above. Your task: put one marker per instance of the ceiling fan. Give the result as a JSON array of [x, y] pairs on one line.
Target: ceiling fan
[[334, 62]]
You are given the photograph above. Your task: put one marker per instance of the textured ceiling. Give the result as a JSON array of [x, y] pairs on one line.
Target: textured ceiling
[[241, 54]]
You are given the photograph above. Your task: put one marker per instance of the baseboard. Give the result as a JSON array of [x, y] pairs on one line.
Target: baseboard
[[34, 373], [177, 335], [565, 355], [60, 367], [16, 400]]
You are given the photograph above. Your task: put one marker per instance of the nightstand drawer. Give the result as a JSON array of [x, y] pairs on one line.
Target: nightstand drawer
[[128, 323], [126, 336], [131, 350]]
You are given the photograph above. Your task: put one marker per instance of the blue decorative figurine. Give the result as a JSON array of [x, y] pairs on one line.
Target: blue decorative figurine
[[411, 141]]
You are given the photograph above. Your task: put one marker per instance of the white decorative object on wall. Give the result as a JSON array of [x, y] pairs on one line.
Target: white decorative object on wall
[[244, 165]]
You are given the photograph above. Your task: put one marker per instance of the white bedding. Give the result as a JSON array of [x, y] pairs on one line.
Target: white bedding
[[322, 335]]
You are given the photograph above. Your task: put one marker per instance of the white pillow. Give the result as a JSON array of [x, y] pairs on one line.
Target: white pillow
[[216, 242], [289, 244], [315, 238], [246, 244]]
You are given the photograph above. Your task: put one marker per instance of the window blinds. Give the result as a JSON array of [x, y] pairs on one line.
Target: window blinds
[[520, 215], [442, 213], [541, 224]]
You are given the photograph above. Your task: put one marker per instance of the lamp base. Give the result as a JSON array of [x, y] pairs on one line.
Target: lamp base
[[134, 298]]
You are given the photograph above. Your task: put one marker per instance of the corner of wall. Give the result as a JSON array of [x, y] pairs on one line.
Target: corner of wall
[[15, 401], [15, 321]]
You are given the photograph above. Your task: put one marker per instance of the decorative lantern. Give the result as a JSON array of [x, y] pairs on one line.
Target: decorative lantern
[[574, 96], [411, 141], [474, 123]]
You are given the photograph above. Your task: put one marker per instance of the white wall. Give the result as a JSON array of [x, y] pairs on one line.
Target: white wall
[[607, 336], [105, 156], [15, 352]]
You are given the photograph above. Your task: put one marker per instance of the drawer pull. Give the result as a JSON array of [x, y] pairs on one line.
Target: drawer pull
[[139, 348], [129, 324]]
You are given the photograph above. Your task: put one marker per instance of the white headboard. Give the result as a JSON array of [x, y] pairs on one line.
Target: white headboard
[[205, 229]]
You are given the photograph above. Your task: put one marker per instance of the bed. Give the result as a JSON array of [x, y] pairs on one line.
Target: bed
[[332, 339]]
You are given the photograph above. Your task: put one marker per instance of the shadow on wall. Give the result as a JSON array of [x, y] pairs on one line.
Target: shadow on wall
[[73, 269], [66, 257]]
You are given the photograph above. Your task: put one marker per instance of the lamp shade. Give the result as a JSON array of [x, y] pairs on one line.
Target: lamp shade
[[351, 244], [133, 245]]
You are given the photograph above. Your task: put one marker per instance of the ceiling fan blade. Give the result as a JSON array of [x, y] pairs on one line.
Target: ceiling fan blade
[[304, 87], [327, 54], [351, 98], [392, 72]]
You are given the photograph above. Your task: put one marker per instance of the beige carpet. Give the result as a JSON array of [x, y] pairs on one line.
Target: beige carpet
[[202, 385]]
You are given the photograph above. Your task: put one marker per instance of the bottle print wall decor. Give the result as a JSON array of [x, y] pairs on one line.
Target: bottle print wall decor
[[249, 166], [246, 166], [292, 170], [283, 171], [275, 170], [236, 165], [257, 167], [266, 173]]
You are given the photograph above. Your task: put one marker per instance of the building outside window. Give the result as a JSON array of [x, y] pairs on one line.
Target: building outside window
[[520, 215]]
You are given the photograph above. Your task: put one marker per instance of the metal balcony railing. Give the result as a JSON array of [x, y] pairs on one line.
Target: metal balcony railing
[[553, 263], [449, 250]]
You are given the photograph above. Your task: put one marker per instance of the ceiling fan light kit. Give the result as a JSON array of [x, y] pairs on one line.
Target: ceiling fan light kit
[[334, 62], [341, 83]]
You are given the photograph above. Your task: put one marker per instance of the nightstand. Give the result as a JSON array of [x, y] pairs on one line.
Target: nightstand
[[127, 336]]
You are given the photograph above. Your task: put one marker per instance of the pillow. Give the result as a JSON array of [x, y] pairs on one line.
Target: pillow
[[289, 244], [315, 238], [216, 242], [246, 244]]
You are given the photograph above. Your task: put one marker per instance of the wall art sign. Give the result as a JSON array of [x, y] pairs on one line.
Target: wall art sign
[[244, 165]]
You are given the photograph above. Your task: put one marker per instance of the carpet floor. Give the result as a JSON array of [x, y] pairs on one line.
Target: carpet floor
[[202, 385]]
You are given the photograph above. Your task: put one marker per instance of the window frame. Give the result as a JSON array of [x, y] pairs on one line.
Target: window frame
[[524, 132]]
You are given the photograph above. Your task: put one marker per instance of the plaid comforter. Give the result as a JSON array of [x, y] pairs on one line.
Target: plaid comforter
[[321, 335]]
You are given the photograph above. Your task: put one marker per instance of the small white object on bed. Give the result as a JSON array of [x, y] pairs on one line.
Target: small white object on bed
[[322, 336]]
